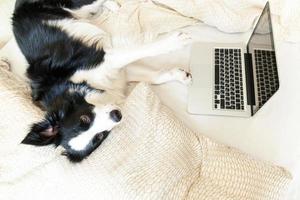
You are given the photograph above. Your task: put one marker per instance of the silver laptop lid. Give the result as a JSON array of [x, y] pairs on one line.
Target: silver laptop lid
[[260, 63]]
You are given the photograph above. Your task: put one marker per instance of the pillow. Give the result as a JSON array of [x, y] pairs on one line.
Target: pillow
[[16, 110], [17, 113], [151, 155]]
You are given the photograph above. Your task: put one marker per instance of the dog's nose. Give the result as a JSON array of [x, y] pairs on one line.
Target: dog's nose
[[115, 115]]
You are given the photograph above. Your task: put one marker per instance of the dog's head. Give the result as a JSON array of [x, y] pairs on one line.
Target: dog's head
[[78, 121]]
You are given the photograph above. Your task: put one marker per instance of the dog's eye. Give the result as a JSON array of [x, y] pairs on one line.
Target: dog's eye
[[84, 119]]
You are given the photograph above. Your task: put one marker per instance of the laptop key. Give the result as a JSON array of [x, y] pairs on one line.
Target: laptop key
[[216, 74], [228, 78], [222, 103]]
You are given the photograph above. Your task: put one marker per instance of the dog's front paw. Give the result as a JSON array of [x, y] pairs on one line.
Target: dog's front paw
[[4, 64], [174, 41], [182, 76], [177, 40]]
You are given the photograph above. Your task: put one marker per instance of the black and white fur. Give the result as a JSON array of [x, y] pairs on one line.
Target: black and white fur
[[73, 78]]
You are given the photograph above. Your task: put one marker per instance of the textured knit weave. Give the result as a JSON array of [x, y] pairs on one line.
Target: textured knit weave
[[17, 113], [151, 155], [239, 16], [142, 20]]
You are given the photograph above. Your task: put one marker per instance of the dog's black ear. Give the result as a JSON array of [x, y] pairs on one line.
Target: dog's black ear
[[42, 133]]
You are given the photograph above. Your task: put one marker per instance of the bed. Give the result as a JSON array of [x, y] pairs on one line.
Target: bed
[[272, 134]]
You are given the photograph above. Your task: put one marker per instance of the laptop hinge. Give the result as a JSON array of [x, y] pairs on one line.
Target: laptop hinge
[[249, 79]]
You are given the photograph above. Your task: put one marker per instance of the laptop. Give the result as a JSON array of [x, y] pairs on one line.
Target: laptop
[[234, 79]]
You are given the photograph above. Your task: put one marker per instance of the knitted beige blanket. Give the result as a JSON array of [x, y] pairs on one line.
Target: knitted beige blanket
[[151, 155], [140, 21]]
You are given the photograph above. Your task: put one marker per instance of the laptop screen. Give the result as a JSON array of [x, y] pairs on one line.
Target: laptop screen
[[262, 51], [263, 33]]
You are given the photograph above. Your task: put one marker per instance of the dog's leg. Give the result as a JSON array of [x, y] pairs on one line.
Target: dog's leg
[[163, 76], [94, 9], [89, 34], [118, 58], [86, 11], [175, 74], [115, 60]]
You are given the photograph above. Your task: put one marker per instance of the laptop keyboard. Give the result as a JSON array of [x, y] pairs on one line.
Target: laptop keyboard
[[228, 92], [266, 75]]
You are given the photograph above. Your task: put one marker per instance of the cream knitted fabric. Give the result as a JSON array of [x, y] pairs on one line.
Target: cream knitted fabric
[[142, 20], [16, 114], [138, 22], [239, 16], [151, 155], [15, 107]]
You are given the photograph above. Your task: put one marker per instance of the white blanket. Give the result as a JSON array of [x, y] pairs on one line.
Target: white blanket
[[142, 20], [147, 20], [151, 155]]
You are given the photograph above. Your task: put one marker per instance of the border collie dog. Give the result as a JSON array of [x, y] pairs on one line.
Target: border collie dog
[[76, 81]]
